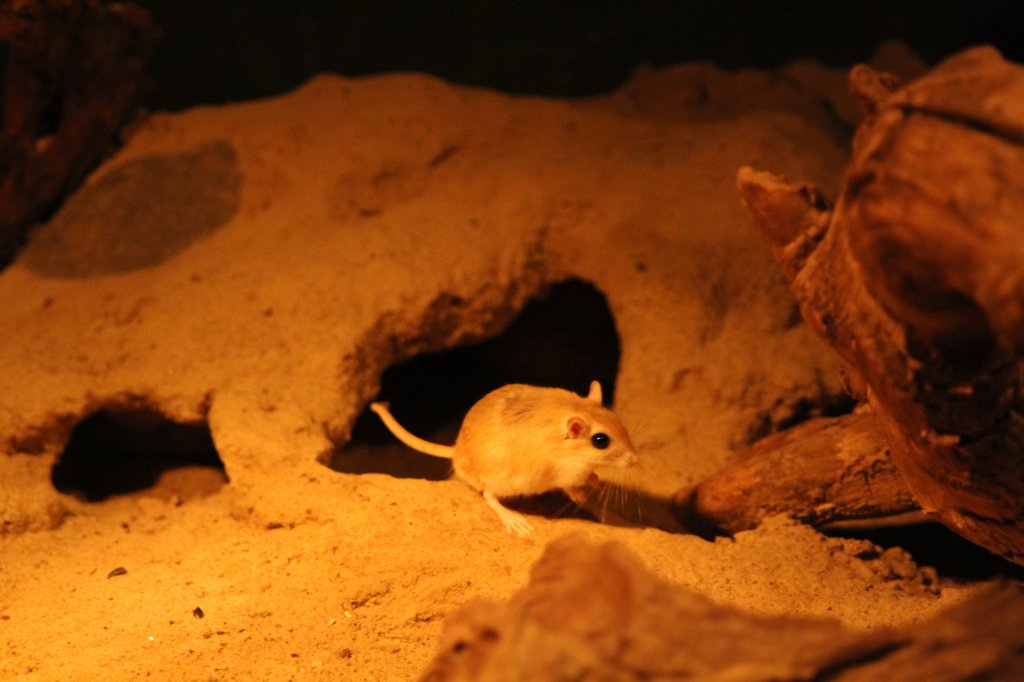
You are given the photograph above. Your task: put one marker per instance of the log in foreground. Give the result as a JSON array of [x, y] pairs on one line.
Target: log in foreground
[[594, 612], [916, 278]]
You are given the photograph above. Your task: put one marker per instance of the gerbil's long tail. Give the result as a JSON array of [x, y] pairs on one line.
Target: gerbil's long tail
[[424, 446]]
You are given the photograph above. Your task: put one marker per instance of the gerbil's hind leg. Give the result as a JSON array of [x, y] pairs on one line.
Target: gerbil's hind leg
[[514, 522]]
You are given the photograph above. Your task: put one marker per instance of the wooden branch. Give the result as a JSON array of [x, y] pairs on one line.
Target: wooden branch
[[820, 471], [918, 282], [74, 76], [594, 612]]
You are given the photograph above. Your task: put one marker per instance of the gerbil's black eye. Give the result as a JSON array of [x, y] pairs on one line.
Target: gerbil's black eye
[[600, 440]]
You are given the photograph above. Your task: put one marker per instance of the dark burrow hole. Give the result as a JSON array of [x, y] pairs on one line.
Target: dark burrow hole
[[932, 544], [565, 339], [117, 452]]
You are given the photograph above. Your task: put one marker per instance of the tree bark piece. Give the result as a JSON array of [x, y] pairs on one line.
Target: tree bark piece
[[820, 471], [917, 281], [594, 612], [75, 75]]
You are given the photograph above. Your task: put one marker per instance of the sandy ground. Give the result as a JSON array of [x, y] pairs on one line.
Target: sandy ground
[[255, 268]]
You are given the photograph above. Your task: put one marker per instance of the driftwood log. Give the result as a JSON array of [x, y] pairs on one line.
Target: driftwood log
[[821, 471], [593, 612], [74, 75], [916, 278]]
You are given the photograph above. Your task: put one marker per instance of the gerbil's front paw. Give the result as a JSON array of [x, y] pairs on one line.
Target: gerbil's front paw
[[576, 494]]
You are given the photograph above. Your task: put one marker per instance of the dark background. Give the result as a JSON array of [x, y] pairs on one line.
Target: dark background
[[228, 50]]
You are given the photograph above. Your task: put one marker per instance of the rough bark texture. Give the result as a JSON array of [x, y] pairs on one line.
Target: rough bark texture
[[916, 278], [74, 75], [821, 471], [593, 612]]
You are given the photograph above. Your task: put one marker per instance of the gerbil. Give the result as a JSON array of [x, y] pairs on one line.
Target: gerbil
[[525, 440]]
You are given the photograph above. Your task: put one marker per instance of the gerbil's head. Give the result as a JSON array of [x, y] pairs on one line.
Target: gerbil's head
[[599, 434]]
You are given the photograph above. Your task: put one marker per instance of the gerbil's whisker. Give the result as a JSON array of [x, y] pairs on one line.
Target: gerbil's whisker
[[565, 508], [620, 499], [631, 491], [637, 498], [637, 428]]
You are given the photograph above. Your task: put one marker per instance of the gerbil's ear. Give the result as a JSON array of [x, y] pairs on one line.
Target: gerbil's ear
[[595, 392], [576, 428]]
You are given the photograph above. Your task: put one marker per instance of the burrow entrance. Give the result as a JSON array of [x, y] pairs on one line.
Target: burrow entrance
[[565, 339], [125, 451]]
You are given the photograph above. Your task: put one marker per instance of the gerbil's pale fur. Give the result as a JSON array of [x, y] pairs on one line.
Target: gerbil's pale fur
[[525, 440]]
